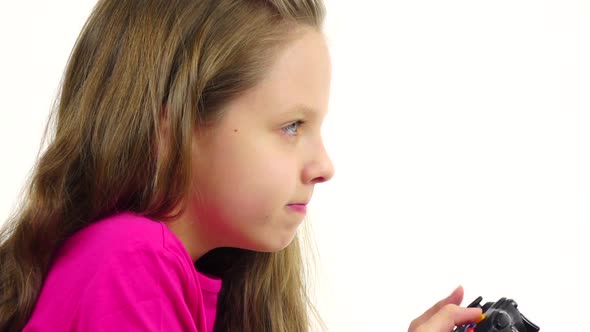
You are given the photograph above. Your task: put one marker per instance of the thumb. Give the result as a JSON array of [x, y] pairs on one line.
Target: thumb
[[449, 317]]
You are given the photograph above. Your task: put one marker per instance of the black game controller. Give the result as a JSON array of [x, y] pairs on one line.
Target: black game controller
[[501, 316]]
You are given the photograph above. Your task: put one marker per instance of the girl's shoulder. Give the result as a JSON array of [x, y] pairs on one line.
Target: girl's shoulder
[[117, 242], [117, 234], [124, 270]]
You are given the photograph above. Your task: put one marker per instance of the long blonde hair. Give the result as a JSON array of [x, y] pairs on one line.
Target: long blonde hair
[[131, 58]]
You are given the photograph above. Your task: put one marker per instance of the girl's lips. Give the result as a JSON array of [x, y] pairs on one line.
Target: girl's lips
[[301, 208]]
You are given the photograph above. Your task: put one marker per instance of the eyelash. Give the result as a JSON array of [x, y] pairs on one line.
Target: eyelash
[[297, 123]]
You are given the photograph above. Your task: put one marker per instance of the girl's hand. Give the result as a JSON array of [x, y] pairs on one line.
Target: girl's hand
[[445, 315]]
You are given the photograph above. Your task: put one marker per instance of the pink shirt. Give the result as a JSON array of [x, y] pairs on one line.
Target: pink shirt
[[125, 273]]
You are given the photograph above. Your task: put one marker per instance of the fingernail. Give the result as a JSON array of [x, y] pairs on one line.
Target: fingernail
[[482, 317]]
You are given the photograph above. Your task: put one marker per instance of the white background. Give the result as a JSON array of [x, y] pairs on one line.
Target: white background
[[459, 133]]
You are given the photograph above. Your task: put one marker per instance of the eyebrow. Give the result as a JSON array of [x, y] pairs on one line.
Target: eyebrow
[[304, 109]]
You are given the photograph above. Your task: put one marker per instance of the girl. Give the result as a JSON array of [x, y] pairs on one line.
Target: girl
[[185, 147]]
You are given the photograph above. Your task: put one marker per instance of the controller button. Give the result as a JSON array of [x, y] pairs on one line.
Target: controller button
[[501, 320]]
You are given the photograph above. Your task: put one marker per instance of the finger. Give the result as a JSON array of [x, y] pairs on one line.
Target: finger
[[450, 316], [456, 297]]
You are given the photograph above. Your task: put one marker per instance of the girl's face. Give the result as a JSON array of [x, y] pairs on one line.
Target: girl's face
[[256, 170]]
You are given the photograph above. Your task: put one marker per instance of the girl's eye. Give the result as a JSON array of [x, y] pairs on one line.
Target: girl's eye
[[292, 128]]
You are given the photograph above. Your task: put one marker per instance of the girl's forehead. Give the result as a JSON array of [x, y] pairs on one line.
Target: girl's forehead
[[299, 81], [296, 84]]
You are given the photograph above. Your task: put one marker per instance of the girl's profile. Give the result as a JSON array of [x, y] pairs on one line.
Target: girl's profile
[[187, 133], [182, 152]]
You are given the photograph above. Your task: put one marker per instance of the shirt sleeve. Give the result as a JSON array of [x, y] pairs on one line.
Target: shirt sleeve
[[141, 289]]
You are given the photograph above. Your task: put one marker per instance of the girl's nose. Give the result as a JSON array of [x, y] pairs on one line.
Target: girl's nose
[[320, 168]]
